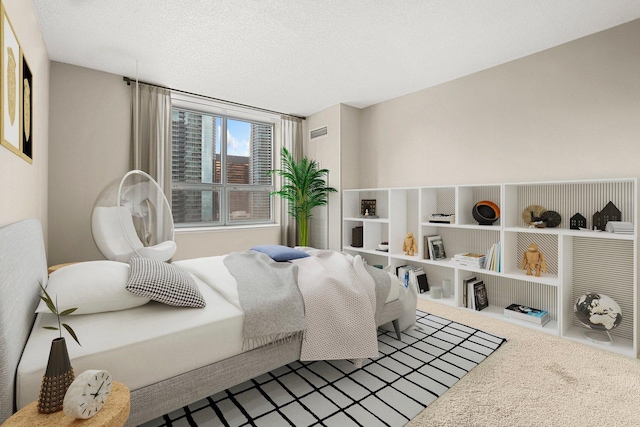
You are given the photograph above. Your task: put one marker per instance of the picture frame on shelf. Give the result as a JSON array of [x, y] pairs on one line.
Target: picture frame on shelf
[[436, 248], [368, 208]]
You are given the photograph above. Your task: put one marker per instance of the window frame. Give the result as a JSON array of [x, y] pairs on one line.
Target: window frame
[[204, 106]]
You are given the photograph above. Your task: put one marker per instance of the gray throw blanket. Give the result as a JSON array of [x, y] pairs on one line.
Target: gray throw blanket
[[269, 295]]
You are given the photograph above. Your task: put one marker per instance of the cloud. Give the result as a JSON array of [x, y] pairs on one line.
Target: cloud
[[236, 147]]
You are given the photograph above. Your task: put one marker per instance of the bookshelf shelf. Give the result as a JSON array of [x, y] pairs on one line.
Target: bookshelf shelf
[[577, 261], [568, 232], [451, 302]]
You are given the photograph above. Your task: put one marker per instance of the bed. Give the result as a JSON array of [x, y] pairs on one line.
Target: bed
[[165, 378]]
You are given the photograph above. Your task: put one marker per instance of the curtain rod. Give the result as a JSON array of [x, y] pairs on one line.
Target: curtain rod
[[129, 81]]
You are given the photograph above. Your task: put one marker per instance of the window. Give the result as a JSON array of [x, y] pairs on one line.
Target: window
[[220, 170]]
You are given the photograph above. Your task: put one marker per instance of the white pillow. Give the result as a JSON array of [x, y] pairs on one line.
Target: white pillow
[[91, 287]]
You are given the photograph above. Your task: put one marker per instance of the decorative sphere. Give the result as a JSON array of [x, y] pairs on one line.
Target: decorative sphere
[[598, 311]]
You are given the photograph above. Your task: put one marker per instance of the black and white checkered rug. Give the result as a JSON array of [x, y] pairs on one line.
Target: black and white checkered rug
[[388, 391]]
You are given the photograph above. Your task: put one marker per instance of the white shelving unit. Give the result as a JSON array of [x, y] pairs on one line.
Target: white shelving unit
[[578, 261]]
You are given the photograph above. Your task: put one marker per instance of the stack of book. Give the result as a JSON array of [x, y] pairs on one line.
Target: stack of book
[[442, 218], [528, 314], [619, 227], [474, 294], [403, 274], [468, 259], [492, 259]]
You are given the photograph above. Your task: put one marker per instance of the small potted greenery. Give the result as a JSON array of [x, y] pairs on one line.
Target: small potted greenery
[[59, 374], [304, 188], [54, 309]]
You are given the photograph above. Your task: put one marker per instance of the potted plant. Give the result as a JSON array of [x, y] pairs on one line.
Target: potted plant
[[59, 374], [304, 188]]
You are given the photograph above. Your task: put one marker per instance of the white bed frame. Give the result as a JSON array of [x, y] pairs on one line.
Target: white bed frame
[[23, 265]]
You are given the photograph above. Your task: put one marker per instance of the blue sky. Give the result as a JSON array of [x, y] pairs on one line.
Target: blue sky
[[238, 138]]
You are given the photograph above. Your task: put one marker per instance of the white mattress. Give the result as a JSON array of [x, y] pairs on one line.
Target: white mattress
[[147, 344], [156, 341]]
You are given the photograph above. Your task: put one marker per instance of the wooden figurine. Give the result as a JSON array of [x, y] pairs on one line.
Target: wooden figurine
[[410, 246], [533, 259]]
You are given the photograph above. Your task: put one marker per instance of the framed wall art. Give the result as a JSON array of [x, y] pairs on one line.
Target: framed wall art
[[27, 111], [10, 91]]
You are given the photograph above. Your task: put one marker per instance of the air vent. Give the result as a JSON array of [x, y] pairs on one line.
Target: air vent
[[317, 133]]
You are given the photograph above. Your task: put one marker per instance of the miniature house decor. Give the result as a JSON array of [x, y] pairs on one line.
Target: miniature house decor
[[597, 221], [609, 213], [577, 222]]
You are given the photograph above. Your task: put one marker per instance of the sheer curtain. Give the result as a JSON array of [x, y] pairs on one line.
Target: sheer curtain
[[291, 136], [151, 133]]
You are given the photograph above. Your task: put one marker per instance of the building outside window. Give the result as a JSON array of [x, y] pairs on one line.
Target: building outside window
[[220, 170]]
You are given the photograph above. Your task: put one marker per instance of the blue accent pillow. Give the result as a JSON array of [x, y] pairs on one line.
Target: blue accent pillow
[[280, 253]]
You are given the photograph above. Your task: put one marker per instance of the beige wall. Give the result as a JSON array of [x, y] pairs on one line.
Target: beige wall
[[90, 134], [350, 147], [23, 191], [570, 112], [221, 241], [326, 151], [349, 164], [339, 152]]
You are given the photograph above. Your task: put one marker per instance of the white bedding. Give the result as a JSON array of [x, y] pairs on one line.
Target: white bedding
[[147, 344]]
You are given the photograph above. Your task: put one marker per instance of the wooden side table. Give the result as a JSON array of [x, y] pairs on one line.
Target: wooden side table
[[58, 267], [114, 413]]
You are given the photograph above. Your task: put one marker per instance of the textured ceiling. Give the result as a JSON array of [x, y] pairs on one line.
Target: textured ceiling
[[301, 56]]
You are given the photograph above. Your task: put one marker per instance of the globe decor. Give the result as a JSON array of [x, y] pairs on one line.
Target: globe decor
[[599, 312]]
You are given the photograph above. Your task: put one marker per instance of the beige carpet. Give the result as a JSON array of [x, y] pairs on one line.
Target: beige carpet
[[536, 379]]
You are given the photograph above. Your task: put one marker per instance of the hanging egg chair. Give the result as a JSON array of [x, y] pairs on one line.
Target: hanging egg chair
[[132, 217]]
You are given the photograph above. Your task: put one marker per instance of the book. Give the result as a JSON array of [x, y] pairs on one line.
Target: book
[[468, 259], [465, 290], [488, 258], [492, 259], [411, 278], [427, 254], [528, 314], [403, 274], [471, 293], [481, 299], [442, 218], [436, 248], [422, 284], [468, 256]]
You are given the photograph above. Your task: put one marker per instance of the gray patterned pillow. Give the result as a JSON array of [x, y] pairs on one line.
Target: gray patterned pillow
[[162, 282]]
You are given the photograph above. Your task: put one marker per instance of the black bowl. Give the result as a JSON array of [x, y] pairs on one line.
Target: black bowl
[[485, 212]]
